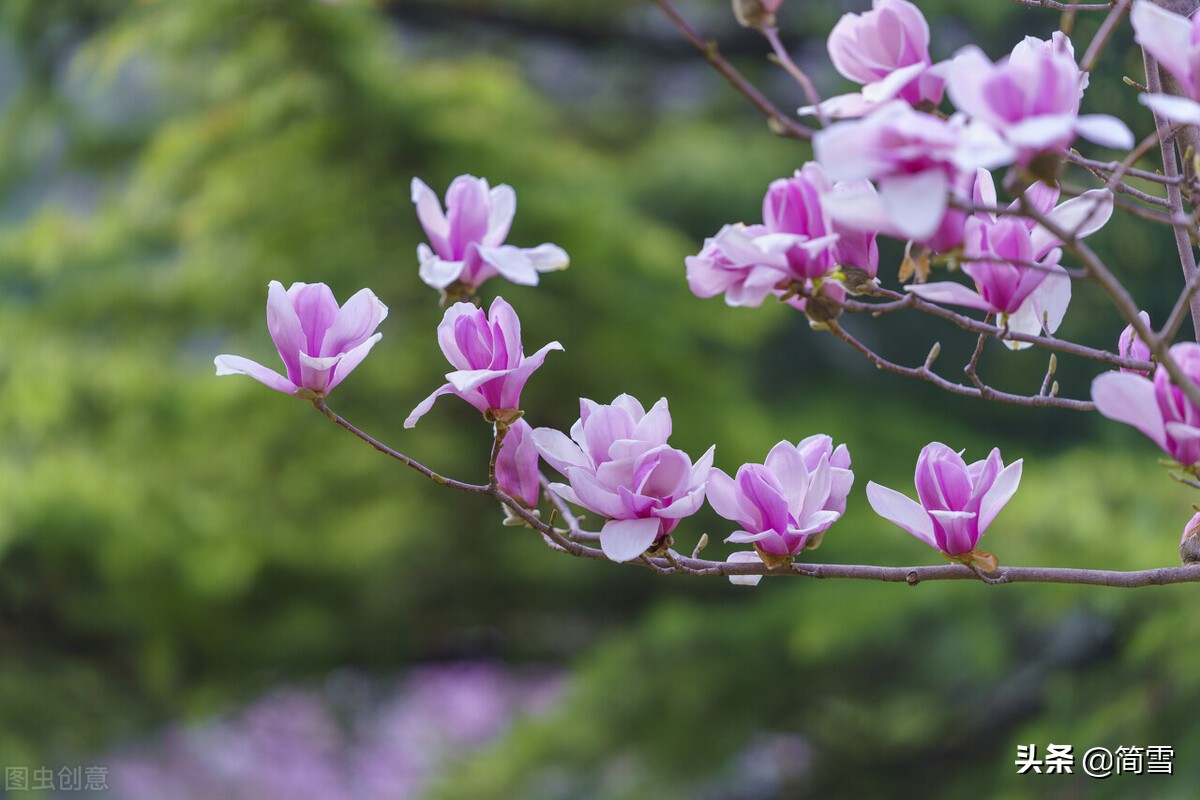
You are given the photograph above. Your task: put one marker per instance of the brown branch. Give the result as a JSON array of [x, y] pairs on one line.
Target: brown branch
[[925, 373], [1054, 5]]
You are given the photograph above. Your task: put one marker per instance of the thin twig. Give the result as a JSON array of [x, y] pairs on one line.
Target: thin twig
[[1100, 40], [780, 123]]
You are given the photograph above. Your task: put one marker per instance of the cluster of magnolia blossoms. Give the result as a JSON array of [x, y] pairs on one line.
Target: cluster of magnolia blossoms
[[896, 166], [617, 461]]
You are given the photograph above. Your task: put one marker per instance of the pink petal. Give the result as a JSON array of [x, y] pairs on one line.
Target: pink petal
[[354, 323], [1129, 398], [1166, 36], [500, 216], [431, 217], [999, 494], [559, 451], [236, 365], [423, 407], [901, 510], [284, 326], [960, 530], [1105, 130], [949, 292], [915, 204]]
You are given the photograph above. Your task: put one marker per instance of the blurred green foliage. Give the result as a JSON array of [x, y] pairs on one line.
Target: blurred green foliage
[[171, 543]]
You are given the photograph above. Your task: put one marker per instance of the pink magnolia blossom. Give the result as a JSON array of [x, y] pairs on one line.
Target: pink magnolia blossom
[[798, 492], [618, 464], [1031, 298], [466, 242], [1191, 529], [747, 263], [915, 159], [957, 501], [1174, 41], [887, 50], [1031, 97], [517, 464], [793, 206], [320, 343], [491, 366], [1130, 345], [1157, 408]]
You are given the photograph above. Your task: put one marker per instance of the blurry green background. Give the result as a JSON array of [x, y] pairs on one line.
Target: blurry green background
[[174, 547]]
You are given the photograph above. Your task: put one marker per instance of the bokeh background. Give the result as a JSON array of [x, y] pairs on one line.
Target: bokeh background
[[209, 591]]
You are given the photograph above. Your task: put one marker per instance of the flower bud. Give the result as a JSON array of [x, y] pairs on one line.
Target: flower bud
[[756, 13], [1189, 545]]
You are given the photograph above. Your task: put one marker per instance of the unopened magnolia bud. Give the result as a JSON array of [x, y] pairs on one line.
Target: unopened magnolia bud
[[756, 13], [1189, 545]]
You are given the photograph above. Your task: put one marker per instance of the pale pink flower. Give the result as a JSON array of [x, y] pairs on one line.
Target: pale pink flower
[[618, 465], [1157, 408], [492, 367], [466, 241], [797, 492], [915, 159], [1007, 280], [320, 343], [1031, 97], [887, 50], [1174, 41], [517, 464], [958, 502], [1130, 345]]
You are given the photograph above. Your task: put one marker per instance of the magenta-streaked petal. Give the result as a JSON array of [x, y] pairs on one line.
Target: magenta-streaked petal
[[901, 510], [915, 204], [1105, 130], [1001, 492], [604, 500], [725, 498], [317, 309], [559, 451], [502, 317], [684, 506], [1129, 398], [237, 365], [654, 425], [423, 407], [626, 539], [960, 529], [354, 323], [517, 464], [1175, 109], [881, 91], [448, 333], [284, 326], [949, 292], [702, 466], [744, 558], [350, 360]]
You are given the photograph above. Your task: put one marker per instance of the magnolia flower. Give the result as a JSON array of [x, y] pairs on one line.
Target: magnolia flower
[[794, 206], [1174, 41], [1189, 543], [999, 258], [320, 344], [1032, 97], [466, 242], [517, 464], [492, 368], [1019, 275], [1131, 346], [914, 159], [795, 494], [618, 465], [958, 501], [887, 50], [1157, 408], [748, 263]]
